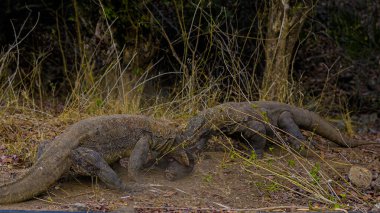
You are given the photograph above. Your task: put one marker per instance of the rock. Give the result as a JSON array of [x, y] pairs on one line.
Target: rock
[[79, 207], [376, 184], [360, 176], [125, 209], [374, 165]]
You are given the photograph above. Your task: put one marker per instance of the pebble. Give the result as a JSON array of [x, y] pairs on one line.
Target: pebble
[[79, 207], [376, 184], [360, 176]]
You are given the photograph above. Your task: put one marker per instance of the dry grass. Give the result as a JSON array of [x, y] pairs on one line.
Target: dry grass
[[25, 120]]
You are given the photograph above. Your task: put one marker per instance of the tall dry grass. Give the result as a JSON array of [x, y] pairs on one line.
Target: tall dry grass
[[114, 91]]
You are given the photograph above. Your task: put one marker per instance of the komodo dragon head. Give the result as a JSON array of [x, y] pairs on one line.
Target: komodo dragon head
[[178, 152]]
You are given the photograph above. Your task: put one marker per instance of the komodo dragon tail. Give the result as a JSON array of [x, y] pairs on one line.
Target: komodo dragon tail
[[313, 122], [48, 169]]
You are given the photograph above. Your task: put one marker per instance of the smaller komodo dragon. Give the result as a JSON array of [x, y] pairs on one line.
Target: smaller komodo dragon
[[253, 120], [91, 145]]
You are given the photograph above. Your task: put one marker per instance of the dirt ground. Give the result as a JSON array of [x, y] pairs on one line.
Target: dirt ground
[[222, 180]]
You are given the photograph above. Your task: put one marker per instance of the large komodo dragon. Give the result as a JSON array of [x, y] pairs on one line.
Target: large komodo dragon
[[91, 145], [253, 120]]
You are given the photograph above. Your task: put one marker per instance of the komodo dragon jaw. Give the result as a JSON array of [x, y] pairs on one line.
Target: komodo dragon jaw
[[92, 144]]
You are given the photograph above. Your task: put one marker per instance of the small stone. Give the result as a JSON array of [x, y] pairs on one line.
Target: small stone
[[126, 209], [360, 176], [376, 184], [79, 206]]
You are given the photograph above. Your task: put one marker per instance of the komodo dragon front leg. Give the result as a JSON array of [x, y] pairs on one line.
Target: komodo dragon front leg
[[254, 133], [175, 170], [297, 140], [138, 157], [90, 162]]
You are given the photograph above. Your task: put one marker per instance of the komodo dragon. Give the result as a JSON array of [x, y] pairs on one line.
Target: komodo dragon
[[92, 144], [255, 119]]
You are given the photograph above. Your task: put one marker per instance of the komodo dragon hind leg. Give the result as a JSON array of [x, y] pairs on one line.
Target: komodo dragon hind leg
[[286, 123], [199, 146], [93, 164], [254, 133]]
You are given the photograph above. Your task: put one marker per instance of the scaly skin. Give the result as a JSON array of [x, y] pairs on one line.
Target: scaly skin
[[92, 144], [252, 119]]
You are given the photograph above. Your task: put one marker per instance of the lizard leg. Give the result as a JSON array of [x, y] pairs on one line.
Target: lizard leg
[[156, 159], [200, 145], [92, 163], [286, 123], [198, 141], [254, 133], [175, 170], [138, 157]]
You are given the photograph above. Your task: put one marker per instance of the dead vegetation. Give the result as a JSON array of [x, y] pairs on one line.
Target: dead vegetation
[[216, 71]]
